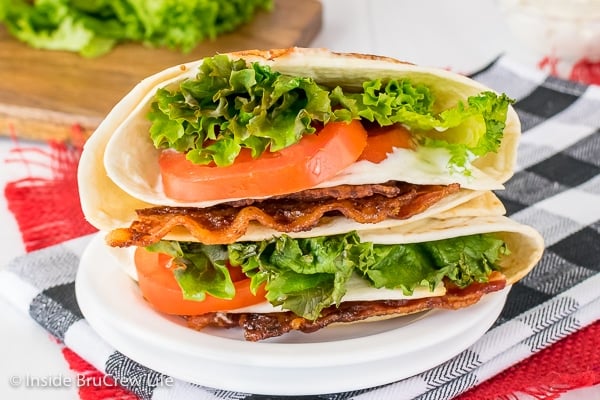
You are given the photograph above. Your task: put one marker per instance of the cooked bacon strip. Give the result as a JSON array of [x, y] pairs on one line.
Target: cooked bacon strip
[[262, 326], [223, 224], [340, 192]]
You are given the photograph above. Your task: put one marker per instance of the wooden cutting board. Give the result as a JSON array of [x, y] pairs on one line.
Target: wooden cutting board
[[43, 94]]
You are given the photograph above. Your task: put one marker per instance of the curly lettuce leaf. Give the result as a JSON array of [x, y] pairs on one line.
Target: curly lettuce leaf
[[302, 275], [470, 132], [397, 101], [307, 275], [463, 260], [467, 259], [466, 131], [92, 28], [230, 105], [401, 267]]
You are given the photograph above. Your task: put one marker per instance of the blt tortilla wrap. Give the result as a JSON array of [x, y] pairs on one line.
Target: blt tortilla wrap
[[423, 210]]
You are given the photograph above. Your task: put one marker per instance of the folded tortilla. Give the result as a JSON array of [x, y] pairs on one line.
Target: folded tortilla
[[118, 172]]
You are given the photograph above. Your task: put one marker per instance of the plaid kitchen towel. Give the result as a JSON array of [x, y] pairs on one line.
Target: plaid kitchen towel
[[556, 189]]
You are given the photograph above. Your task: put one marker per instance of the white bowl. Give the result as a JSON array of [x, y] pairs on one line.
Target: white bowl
[[567, 30]]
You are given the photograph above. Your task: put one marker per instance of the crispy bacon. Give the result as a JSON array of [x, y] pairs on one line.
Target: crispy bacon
[[225, 223], [262, 326], [340, 192]]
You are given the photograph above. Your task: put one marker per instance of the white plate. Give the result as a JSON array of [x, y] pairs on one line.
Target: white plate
[[334, 359]]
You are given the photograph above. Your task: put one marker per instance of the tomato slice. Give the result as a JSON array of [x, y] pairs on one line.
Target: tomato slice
[[160, 289], [382, 141], [314, 159]]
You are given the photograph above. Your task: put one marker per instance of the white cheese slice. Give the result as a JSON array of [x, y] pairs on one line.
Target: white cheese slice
[[359, 290], [425, 166]]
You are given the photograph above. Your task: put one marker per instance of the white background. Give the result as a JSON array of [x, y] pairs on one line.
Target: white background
[[462, 35]]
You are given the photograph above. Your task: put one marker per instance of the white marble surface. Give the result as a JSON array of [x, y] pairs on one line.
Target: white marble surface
[[463, 35]]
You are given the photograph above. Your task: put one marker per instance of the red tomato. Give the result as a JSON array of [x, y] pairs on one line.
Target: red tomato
[[160, 289], [314, 159], [382, 141]]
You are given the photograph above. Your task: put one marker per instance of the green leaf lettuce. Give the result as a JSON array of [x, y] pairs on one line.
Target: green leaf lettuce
[[230, 105], [308, 275], [93, 27]]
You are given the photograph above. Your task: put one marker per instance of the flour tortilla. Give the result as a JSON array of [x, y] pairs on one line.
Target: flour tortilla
[[118, 171]]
